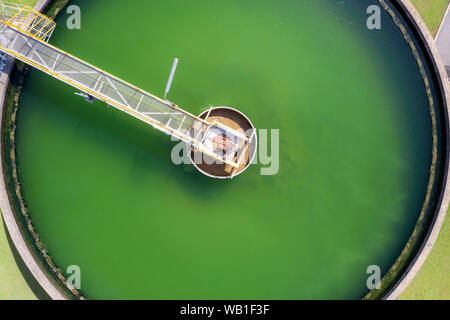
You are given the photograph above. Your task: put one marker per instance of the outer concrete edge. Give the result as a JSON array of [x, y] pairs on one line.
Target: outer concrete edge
[[432, 235], [5, 205]]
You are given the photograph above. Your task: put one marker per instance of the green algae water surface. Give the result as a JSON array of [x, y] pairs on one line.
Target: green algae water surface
[[354, 140]]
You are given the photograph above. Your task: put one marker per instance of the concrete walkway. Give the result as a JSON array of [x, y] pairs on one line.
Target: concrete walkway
[[443, 40]]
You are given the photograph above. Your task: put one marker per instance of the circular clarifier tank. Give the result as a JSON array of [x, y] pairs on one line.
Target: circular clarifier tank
[[334, 182]]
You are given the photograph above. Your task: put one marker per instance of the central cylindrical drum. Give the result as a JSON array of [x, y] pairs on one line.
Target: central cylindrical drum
[[237, 121]]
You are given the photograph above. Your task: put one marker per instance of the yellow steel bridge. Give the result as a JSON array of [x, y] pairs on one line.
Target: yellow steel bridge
[[24, 34]]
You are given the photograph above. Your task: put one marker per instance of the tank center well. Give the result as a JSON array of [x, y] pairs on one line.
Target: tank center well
[[239, 148]]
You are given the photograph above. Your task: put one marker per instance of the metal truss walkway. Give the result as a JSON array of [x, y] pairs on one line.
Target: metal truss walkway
[[24, 34]]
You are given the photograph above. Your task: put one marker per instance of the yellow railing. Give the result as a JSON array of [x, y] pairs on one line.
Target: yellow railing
[[17, 21], [26, 19]]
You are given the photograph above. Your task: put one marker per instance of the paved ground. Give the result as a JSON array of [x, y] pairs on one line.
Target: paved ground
[[443, 41]]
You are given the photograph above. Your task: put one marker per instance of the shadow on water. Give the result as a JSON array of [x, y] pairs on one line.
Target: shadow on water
[[123, 135], [156, 152], [151, 148], [29, 278]]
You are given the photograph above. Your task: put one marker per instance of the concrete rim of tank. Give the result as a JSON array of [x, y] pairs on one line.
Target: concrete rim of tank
[[253, 146]]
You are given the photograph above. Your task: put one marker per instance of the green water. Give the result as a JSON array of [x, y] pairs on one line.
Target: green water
[[355, 151]]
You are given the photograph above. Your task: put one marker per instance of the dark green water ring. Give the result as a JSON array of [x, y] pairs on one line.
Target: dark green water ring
[[438, 194], [437, 198]]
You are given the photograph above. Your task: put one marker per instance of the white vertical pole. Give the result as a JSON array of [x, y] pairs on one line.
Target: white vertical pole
[[172, 73]]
